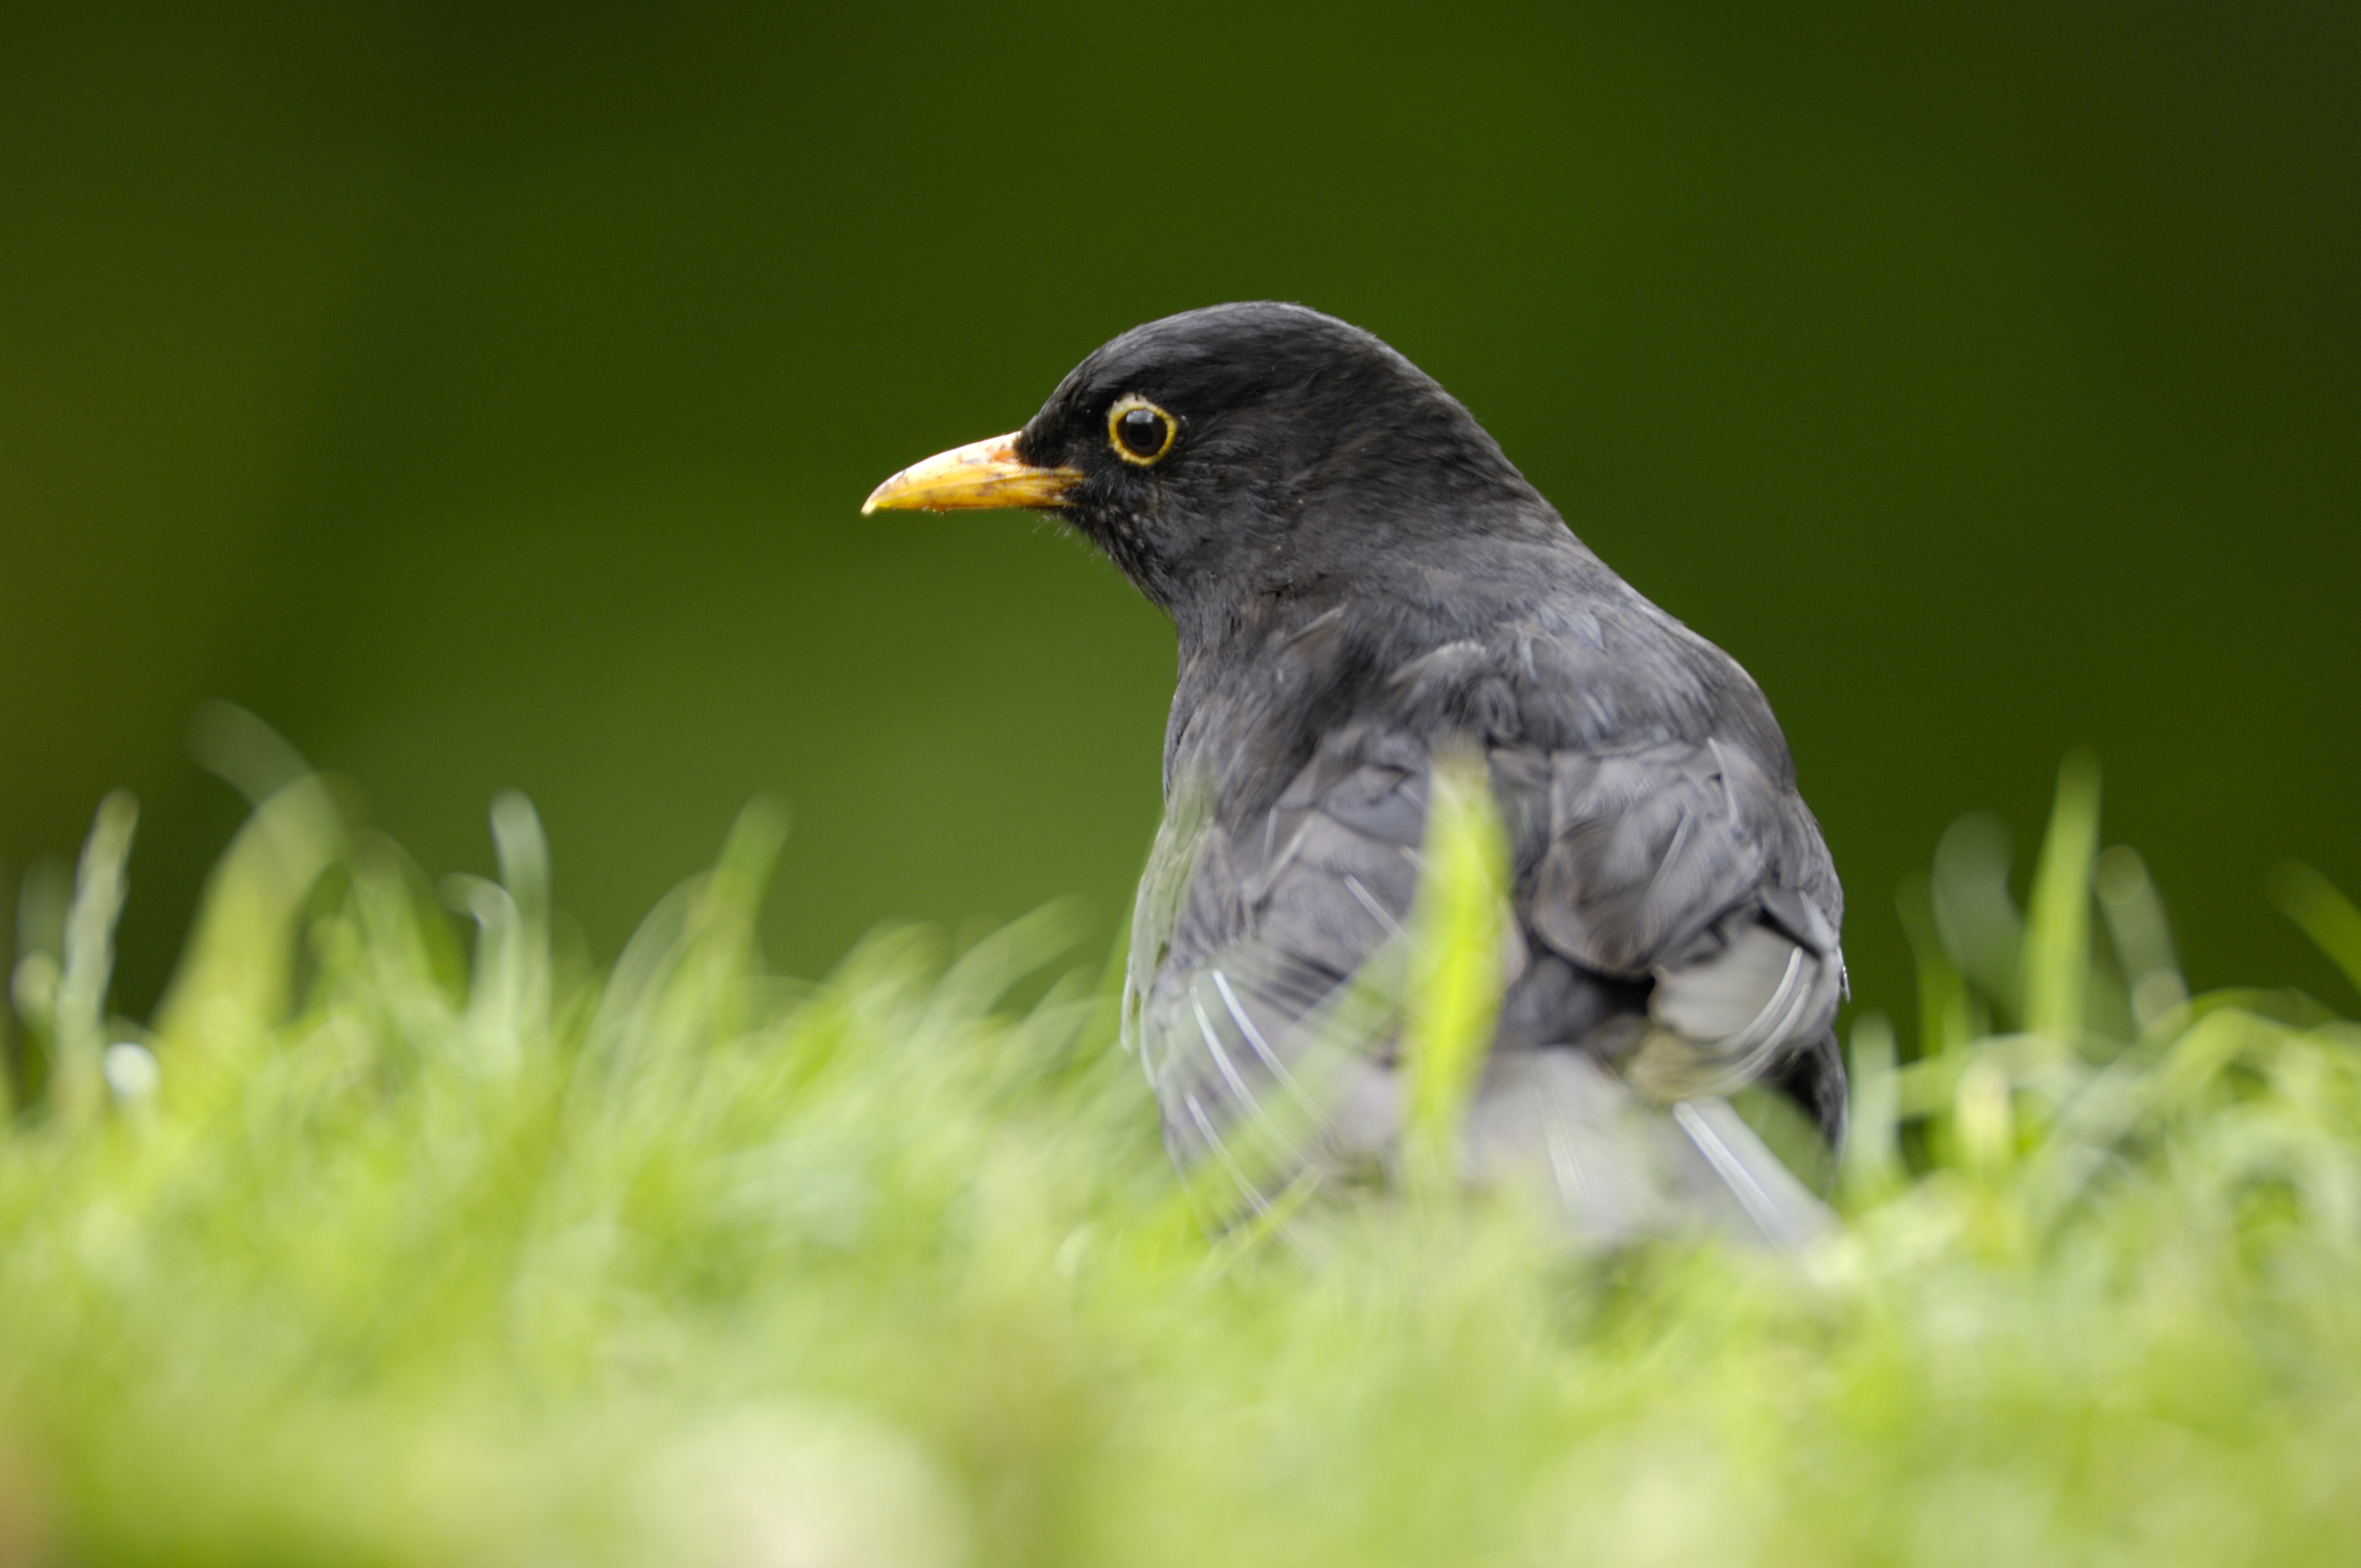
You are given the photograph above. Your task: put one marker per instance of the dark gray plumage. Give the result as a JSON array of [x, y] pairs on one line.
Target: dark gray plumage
[[1360, 578]]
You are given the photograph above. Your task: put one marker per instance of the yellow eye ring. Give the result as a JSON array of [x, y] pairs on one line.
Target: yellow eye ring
[[1136, 441]]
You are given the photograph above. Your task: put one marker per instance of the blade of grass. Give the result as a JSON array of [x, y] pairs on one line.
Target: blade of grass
[[1459, 929], [2326, 916], [231, 987], [77, 1092], [2057, 964], [1873, 1154]]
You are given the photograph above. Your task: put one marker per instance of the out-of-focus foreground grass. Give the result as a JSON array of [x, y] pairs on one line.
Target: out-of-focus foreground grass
[[382, 1247]]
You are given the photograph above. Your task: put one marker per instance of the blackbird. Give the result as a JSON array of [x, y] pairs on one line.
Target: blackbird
[[1362, 584]]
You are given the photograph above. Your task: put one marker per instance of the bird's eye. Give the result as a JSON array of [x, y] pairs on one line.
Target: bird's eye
[[1141, 431]]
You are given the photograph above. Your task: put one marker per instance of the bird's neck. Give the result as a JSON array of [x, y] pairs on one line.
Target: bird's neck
[[1262, 670], [1313, 642]]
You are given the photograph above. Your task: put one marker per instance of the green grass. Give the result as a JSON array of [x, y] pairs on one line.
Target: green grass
[[388, 1247]]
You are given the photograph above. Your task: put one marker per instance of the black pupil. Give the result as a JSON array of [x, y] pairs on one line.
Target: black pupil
[[1142, 430]]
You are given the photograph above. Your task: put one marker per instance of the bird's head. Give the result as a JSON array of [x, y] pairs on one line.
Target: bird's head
[[1239, 449]]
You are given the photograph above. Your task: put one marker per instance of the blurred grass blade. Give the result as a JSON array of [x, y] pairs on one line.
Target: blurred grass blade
[[522, 851], [41, 904], [1944, 1024], [508, 1002], [1968, 897], [723, 953], [2142, 937], [77, 1092], [1460, 931], [1983, 1116], [2057, 965], [684, 973], [2327, 917], [1873, 1152], [243, 752], [232, 986]]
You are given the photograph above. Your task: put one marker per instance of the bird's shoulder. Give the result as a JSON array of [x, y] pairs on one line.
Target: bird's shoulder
[[1628, 752], [1531, 643]]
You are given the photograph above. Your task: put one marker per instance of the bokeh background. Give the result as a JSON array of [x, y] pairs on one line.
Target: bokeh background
[[483, 394]]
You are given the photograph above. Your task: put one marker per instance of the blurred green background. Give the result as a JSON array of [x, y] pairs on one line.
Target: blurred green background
[[484, 395]]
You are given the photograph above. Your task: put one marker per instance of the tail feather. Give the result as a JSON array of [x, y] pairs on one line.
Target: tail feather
[[1619, 1165]]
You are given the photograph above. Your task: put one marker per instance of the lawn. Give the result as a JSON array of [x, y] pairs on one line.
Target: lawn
[[402, 1236]]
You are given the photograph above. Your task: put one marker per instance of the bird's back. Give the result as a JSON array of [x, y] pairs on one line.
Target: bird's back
[[1676, 912]]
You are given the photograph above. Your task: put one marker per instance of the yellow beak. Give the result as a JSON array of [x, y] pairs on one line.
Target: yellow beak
[[979, 476]]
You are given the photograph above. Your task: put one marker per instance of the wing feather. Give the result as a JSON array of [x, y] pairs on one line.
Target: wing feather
[[1678, 934]]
